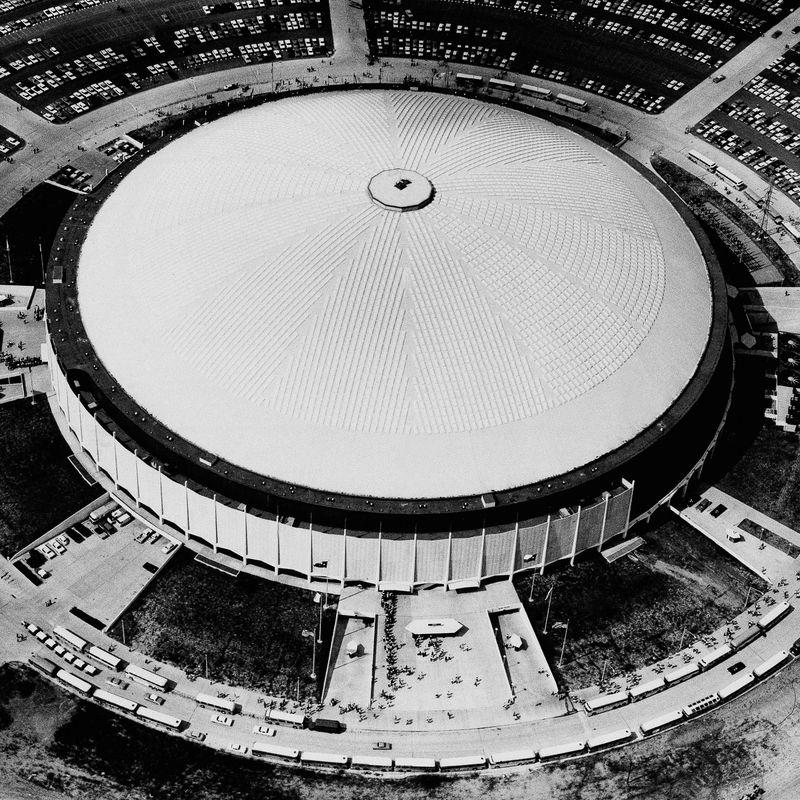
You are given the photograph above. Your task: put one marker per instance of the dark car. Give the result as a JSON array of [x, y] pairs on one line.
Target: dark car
[[737, 667], [777, 34], [703, 504], [719, 510]]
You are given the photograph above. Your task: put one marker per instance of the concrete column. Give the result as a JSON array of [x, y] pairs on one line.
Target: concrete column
[[575, 539], [606, 496], [449, 567], [546, 542]]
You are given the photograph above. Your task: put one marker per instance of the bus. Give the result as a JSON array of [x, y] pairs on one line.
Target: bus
[[773, 617], [646, 689], [146, 678], [699, 158], [502, 86], [104, 657], [372, 762], [217, 703], [274, 750], [536, 91], [745, 637], [736, 686], [160, 719], [700, 705], [419, 763], [682, 673], [792, 230], [329, 759], [84, 687], [730, 178], [663, 721], [465, 79], [606, 702], [115, 700], [609, 739], [512, 757], [70, 638], [770, 665], [462, 762], [572, 102], [44, 665], [286, 718], [559, 750], [715, 656], [104, 509]]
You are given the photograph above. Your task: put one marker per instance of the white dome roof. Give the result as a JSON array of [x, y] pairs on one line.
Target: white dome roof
[[539, 306]]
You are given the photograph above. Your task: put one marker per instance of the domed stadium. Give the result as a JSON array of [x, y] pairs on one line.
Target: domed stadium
[[401, 309]]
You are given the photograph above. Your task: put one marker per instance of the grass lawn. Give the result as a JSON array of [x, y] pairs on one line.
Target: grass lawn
[[632, 612], [249, 628], [38, 486]]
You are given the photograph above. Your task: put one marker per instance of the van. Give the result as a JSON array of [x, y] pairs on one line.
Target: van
[[734, 536]]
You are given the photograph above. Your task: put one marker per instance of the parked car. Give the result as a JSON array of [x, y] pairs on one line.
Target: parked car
[[58, 547], [42, 573], [237, 748], [777, 34], [264, 730], [382, 746], [118, 682], [63, 538], [222, 719], [719, 511], [47, 552], [703, 504], [155, 698], [199, 735], [168, 548], [737, 667]]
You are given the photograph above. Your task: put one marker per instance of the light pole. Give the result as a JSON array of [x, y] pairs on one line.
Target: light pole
[[8, 256], [563, 644], [549, 601], [313, 675], [527, 558]]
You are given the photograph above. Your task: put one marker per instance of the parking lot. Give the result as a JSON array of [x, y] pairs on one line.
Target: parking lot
[[80, 572]]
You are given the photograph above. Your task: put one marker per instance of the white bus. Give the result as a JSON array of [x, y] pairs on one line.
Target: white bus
[[737, 686], [559, 750], [115, 700], [420, 763], [286, 718], [217, 703], [663, 721], [646, 689], [104, 657], [682, 673], [715, 656], [608, 739], [465, 79], [274, 750], [699, 158], [512, 757], [146, 678], [160, 719], [70, 638], [773, 617], [536, 91], [502, 86], [792, 230], [462, 762], [571, 102], [730, 178], [84, 687], [770, 665], [606, 702], [700, 705], [329, 759], [372, 762]]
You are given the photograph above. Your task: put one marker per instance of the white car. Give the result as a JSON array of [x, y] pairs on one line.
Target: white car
[[264, 730], [58, 547], [42, 573], [63, 538], [222, 719], [168, 548], [47, 552], [237, 748], [155, 698]]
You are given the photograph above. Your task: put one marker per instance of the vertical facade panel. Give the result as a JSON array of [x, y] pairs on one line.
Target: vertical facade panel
[[201, 517], [126, 469], [230, 528], [432, 549], [149, 486], [362, 556], [530, 542], [174, 497], [262, 540], [397, 558], [618, 507], [88, 433], [465, 554], [105, 449], [327, 544], [73, 413], [561, 538], [591, 526], [498, 549], [295, 548]]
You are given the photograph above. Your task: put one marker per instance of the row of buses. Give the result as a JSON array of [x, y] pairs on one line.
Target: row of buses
[[465, 80], [711, 166], [444, 764], [738, 642], [115, 701]]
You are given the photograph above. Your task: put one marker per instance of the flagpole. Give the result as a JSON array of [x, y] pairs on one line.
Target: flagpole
[[547, 616], [8, 256], [563, 644]]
